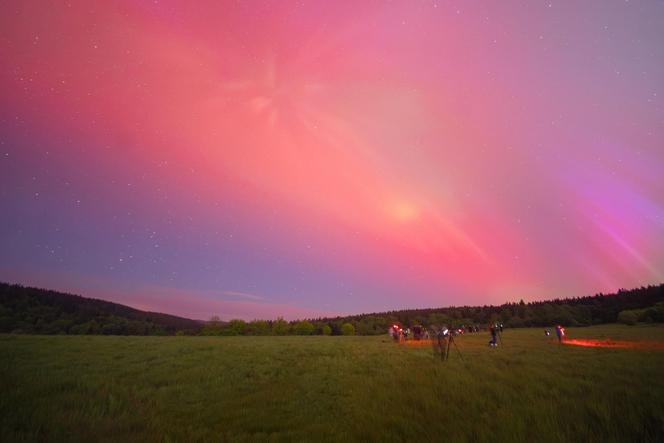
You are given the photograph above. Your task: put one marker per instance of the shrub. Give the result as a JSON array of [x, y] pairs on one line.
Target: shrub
[[235, 327], [259, 327], [326, 330], [303, 327], [213, 327], [628, 317], [347, 329], [655, 313], [280, 327]]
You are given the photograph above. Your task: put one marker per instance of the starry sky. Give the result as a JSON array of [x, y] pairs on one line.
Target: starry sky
[[255, 159]]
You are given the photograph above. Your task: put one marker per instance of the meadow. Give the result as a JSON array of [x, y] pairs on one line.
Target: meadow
[[103, 388]]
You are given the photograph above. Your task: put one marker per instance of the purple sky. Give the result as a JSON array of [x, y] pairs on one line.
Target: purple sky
[[264, 159]]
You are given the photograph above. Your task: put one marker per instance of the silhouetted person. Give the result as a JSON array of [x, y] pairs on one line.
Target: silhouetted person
[[395, 333], [494, 335], [440, 342]]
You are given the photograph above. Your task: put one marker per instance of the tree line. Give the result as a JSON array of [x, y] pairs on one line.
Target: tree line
[[277, 327], [644, 304], [40, 311]]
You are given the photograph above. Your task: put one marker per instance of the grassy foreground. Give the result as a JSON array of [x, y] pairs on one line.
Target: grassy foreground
[[97, 388]]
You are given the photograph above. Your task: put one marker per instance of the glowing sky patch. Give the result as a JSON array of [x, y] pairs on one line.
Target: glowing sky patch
[[326, 157]]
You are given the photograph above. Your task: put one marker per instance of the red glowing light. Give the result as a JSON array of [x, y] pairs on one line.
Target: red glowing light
[[623, 344], [418, 342]]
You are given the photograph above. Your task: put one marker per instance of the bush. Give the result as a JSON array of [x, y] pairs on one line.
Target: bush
[[326, 330], [280, 327], [303, 327], [235, 327], [656, 313], [347, 329], [259, 327], [628, 317], [213, 327]]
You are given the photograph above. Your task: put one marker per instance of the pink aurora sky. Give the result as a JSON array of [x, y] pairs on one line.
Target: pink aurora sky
[[274, 158]]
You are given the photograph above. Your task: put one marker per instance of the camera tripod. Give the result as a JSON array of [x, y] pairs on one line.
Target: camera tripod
[[450, 341], [444, 348]]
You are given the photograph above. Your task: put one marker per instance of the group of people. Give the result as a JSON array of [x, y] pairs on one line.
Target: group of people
[[495, 329], [418, 332]]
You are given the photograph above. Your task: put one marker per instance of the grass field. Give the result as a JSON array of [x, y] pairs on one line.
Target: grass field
[[96, 388]]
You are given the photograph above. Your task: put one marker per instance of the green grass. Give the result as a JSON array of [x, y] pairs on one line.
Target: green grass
[[94, 388]]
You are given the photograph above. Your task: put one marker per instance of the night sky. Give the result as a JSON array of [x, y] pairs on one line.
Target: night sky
[[255, 159]]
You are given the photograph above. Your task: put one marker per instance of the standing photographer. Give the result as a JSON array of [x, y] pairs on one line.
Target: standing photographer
[[441, 341], [494, 335]]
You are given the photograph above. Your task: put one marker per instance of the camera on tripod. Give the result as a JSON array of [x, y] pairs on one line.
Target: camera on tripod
[[445, 338]]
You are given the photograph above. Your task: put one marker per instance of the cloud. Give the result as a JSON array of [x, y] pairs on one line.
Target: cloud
[[195, 304], [204, 304], [243, 295]]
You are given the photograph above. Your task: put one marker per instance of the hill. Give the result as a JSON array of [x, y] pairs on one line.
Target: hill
[[644, 304], [41, 311]]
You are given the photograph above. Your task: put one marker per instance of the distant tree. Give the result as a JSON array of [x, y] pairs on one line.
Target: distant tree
[[79, 329], [374, 325], [259, 327], [438, 319], [515, 322], [7, 323], [280, 327], [93, 327], [628, 317], [159, 331], [303, 327], [505, 315], [326, 330], [563, 315], [582, 315], [336, 327], [235, 327], [213, 327], [114, 325], [655, 313], [347, 329]]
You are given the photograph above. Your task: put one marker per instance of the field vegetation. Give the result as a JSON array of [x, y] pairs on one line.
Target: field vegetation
[[321, 388]]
